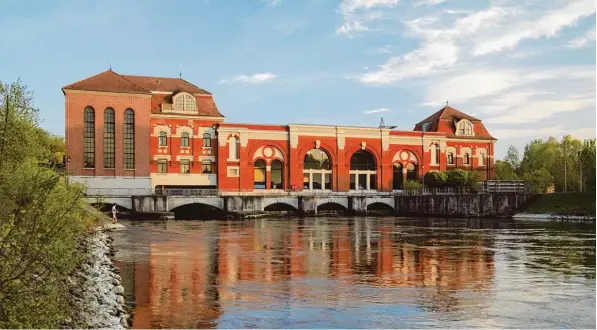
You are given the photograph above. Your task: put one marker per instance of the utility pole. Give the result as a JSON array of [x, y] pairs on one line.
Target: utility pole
[[580, 167], [565, 168]]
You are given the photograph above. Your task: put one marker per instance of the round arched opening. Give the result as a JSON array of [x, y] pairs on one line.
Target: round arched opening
[[317, 170], [397, 176], [277, 175], [363, 171], [259, 174]]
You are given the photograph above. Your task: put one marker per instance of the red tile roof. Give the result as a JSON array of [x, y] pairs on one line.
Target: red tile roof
[[447, 113], [108, 81]]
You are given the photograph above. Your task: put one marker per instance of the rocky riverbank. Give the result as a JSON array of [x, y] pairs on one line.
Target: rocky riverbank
[[97, 295]]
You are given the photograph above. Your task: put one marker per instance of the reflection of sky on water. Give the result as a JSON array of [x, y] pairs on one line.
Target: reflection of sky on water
[[361, 272]]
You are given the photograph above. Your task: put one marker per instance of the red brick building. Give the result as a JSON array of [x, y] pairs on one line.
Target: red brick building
[[143, 133]]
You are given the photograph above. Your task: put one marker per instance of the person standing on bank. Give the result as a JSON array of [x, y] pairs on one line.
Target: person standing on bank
[[114, 211]]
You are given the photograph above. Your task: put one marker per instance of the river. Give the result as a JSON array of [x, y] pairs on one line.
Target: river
[[358, 272]]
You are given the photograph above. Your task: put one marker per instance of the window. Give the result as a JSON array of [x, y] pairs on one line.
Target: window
[[206, 167], [184, 102], [109, 138], [206, 140], [433, 152], [163, 139], [129, 139], [411, 172], [276, 174], [481, 159], [464, 127], [317, 170], [466, 159], [185, 166], [233, 148], [363, 171], [450, 158], [89, 138], [259, 174], [397, 176], [184, 139], [162, 166]]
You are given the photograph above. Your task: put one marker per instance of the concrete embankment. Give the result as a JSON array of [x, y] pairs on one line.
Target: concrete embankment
[[96, 288]]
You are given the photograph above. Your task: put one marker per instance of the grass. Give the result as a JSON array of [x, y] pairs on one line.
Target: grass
[[564, 204]]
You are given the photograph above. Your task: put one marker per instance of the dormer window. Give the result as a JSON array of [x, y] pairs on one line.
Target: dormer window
[[464, 128], [184, 102]]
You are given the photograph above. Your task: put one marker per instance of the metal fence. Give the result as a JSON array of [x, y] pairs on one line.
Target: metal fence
[[117, 192], [438, 191], [505, 186], [186, 192]]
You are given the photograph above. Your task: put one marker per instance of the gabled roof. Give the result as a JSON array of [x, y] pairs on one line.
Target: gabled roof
[[447, 113], [108, 81], [161, 84]]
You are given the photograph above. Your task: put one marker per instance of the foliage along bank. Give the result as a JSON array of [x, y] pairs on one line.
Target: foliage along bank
[[41, 218]]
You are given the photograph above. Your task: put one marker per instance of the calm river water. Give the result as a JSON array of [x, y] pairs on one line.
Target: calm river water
[[359, 273]]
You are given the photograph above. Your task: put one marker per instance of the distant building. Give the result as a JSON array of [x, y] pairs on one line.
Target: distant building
[[143, 133]]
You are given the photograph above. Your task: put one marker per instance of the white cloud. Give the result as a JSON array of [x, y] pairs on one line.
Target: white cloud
[[428, 2], [544, 132], [257, 78], [380, 110], [273, 2], [547, 25], [357, 13], [584, 40]]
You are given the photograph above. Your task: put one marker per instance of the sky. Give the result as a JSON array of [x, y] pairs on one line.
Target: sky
[[526, 68]]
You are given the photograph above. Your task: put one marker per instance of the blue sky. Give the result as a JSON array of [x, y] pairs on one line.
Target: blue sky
[[525, 67]]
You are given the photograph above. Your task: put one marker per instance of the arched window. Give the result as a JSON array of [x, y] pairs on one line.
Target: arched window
[[464, 127], [363, 171], [163, 139], [317, 170], [397, 176], [466, 159], [129, 139], [450, 158], [277, 180], [434, 154], [89, 138], [184, 102], [233, 148], [259, 174], [481, 159], [109, 138], [411, 172], [206, 140], [184, 139]]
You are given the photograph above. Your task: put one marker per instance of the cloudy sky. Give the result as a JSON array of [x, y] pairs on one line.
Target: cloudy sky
[[525, 67]]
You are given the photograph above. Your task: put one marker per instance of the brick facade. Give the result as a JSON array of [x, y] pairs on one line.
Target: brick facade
[[231, 157]]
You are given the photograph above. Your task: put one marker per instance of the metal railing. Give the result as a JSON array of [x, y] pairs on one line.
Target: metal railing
[[438, 191], [507, 186], [117, 191], [187, 192]]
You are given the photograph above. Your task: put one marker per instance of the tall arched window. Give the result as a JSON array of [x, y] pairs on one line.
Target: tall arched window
[[233, 148], [184, 139], [109, 138], [363, 171], [450, 158], [411, 172], [277, 176], [163, 139], [129, 139], [89, 138], [206, 140], [317, 170], [259, 174], [481, 159], [397, 176], [434, 154], [464, 127]]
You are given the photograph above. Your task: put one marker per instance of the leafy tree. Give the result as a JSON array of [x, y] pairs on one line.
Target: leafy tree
[[513, 157], [538, 180], [436, 179], [457, 178], [504, 171], [411, 185], [41, 219], [587, 160], [472, 178]]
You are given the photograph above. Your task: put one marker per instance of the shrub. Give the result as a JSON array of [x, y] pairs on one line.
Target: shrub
[[457, 178], [436, 179], [412, 185]]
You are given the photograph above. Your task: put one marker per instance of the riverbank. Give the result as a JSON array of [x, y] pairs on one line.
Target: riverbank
[[95, 286], [560, 206]]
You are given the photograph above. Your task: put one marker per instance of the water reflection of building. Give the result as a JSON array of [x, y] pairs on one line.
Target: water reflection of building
[[195, 277]]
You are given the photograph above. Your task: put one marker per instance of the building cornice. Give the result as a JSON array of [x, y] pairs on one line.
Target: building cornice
[[77, 91]]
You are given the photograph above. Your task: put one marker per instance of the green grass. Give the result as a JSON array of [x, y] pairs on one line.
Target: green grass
[[564, 204]]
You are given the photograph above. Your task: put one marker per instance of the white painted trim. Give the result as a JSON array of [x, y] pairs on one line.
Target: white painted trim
[[181, 157], [206, 158], [158, 157], [232, 168], [169, 116], [469, 140]]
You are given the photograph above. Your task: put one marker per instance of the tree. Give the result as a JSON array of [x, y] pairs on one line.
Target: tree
[[587, 159], [436, 179], [513, 157], [504, 171], [538, 180]]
